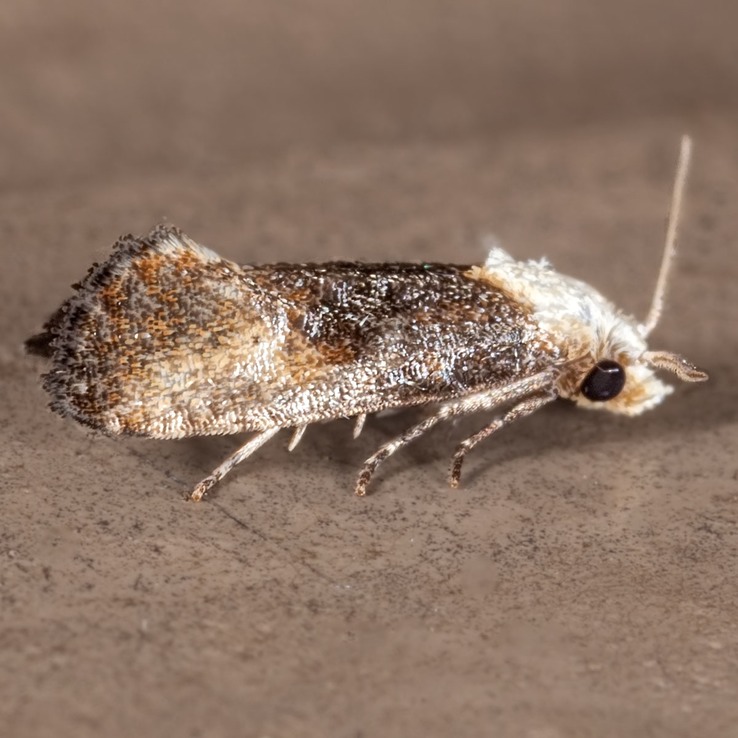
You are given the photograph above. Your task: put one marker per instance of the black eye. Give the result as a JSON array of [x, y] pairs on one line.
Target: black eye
[[605, 381]]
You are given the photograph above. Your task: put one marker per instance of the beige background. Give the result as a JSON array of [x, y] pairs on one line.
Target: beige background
[[583, 581]]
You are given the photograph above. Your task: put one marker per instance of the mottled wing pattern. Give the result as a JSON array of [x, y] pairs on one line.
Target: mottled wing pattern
[[166, 339]]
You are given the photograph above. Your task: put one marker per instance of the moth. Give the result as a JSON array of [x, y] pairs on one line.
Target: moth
[[166, 339]]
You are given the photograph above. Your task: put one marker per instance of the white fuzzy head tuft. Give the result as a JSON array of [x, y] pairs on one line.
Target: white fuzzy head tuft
[[593, 337]]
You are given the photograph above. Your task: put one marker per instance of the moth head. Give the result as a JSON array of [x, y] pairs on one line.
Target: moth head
[[622, 375], [603, 358], [618, 373]]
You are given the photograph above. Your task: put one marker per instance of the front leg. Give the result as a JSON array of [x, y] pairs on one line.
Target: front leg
[[526, 407]]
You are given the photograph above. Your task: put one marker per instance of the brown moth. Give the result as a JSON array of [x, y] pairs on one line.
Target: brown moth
[[166, 339]]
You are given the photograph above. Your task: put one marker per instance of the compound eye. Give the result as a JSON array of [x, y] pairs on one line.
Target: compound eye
[[604, 381]]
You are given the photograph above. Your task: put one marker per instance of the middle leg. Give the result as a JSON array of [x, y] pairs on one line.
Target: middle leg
[[371, 464]]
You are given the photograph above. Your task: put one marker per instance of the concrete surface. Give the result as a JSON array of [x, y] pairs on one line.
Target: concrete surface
[[583, 580]]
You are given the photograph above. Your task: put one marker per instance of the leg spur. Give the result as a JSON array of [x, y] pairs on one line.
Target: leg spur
[[529, 394]]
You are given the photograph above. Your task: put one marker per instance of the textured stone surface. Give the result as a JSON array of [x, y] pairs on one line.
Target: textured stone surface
[[583, 580]]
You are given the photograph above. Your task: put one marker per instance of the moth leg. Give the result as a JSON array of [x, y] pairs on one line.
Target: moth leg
[[371, 464], [537, 385], [525, 407], [296, 437], [359, 426], [247, 449]]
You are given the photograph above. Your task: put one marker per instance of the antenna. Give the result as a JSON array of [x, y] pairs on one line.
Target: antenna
[[657, 304]]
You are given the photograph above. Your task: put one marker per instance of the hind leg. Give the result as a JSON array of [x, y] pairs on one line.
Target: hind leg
[[243, 452]]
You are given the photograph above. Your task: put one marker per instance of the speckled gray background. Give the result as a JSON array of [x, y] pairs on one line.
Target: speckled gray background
[[583, 580]]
